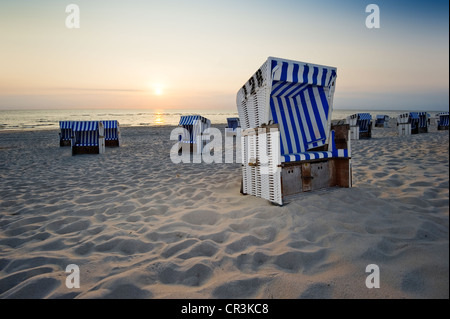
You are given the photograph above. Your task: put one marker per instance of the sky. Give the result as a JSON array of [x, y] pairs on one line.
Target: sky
[[163, 55]]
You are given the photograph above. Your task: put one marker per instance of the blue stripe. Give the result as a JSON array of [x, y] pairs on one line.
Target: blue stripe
[[284, 72], [294, 127], [301, 106], [317, 114], [295, 73], [315, 75], [305, 74], [324, 77], [285, 131], [324, 100]]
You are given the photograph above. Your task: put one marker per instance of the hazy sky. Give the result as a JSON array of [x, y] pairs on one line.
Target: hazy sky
[[197, 54]]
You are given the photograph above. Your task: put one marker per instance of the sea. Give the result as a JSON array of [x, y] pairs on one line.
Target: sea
[[31, 120]]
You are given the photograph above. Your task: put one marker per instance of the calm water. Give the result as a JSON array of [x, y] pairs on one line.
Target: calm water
[[49, 119]]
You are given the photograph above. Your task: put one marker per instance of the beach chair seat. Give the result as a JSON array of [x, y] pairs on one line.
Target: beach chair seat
[[88, 137], [65, 134], [287, 145]]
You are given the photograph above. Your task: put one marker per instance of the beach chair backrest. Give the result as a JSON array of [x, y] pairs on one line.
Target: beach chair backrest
[[295, 95]]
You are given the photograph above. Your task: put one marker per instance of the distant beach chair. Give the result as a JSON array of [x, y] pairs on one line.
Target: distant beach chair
[[287, 145], [443, 122], [360, 125], [382, 121], [412, 123], [65, 134], [88, 137], [112, 133], [196, 126], [233, 124]]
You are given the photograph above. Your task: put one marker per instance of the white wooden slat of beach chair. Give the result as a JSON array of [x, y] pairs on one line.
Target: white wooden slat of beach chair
[[65, 134], [88, 137], [290, 104], [443, 122], [404, 124]]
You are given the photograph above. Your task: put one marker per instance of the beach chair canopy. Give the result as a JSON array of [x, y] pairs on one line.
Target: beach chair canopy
[[80, 126], [295, 95], [233, 122]]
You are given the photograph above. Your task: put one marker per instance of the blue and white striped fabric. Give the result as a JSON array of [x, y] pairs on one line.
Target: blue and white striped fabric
[[195, 125], [423, 119], [86, 133], [443, 119], [299, 104], [111, 133], [190, 119], [364, 121], [66, 130], [233, 122], [85, 126]]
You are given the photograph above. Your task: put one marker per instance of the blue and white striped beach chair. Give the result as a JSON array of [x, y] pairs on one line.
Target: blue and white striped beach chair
[[112, 133], [287, 145], [382, 120], [88, 137], [412, 123], [195, 126], [65, 133], [443, 122], [360, 125], [233, 125]]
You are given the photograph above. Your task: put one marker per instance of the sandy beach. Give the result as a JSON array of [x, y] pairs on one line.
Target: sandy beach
[[139, 226]]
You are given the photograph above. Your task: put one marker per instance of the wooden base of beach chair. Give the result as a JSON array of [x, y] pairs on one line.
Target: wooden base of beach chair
[[85, 150], [341, 132], [442, 128], [112, 143], [298, 177], [65, 142], [423, 130]]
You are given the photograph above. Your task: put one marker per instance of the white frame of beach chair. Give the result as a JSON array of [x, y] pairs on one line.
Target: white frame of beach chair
[[112, 133], [197, 132], [287, 145], [443, 121], [88, 137], [65, 133]]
